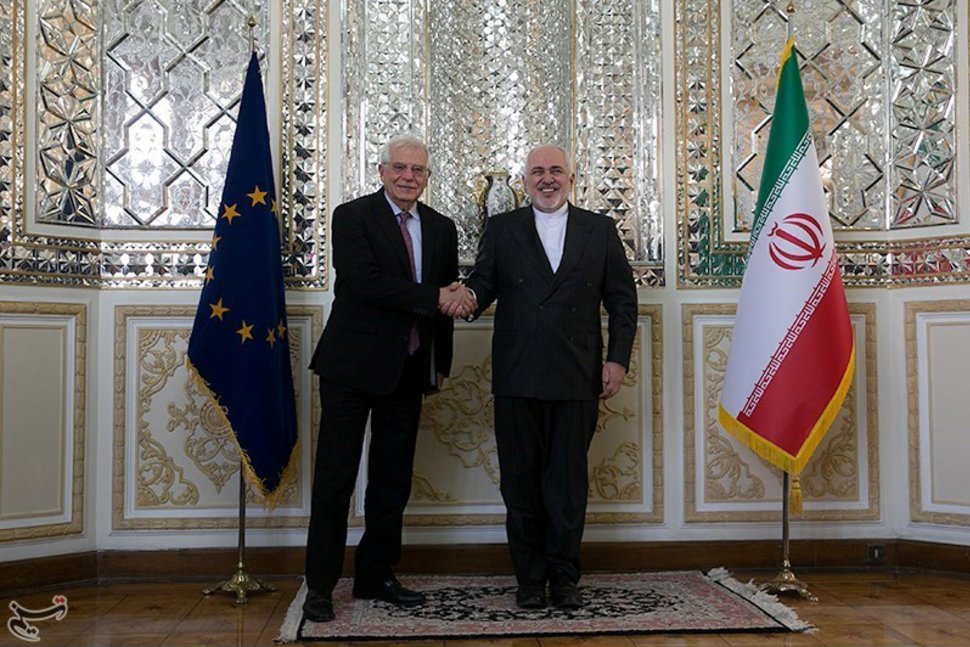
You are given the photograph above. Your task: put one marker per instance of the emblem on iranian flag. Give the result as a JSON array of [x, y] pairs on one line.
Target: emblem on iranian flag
[[798, 242]]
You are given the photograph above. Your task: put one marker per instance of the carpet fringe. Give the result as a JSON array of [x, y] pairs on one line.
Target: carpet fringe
[[294, 615], [765, 601]]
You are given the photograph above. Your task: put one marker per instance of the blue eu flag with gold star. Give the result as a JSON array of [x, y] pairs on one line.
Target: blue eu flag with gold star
[[239, 349]]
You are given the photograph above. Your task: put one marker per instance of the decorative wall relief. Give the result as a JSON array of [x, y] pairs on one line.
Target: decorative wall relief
[[172, 89], [456, 464], [175, 461], [725, 481]]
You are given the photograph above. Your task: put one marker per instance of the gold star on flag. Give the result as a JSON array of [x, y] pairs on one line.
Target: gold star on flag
[[276, 207], [271, 338], [245, 332], [230, 213], [215, 241], [257, 196], [210, 273], [281, 329], [218, 310]]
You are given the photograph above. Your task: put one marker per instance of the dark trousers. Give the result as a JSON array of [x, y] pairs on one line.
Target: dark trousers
[[542, 447], [394, 428]]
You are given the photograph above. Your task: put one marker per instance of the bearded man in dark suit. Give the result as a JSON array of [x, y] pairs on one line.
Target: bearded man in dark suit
[[551, 266], [387, 342]]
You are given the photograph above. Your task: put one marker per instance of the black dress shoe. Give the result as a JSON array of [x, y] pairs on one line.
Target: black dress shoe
[[318, 606], [565, 594], [389, 590], [530, 597]]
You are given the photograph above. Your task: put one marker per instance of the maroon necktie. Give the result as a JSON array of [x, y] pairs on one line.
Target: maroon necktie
[[414, 340]]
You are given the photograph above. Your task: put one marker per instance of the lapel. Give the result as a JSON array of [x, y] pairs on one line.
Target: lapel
[[528, 237], [577, 232], [387, 223], [428, 233]]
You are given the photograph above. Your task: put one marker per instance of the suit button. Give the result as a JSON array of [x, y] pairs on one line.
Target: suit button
[[542, 307], [521, 280], [572, 309]]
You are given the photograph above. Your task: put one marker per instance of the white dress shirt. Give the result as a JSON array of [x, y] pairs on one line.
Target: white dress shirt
[[552, 233]]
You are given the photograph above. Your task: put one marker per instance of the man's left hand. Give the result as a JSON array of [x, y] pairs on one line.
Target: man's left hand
[[613, 375]]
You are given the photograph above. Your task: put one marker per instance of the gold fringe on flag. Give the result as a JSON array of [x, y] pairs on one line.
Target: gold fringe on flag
[[271, 500]]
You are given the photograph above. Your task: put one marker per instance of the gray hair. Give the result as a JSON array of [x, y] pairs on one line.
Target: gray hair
[[403, 141], [569, 164]]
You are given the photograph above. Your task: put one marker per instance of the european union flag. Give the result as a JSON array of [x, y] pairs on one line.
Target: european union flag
[[240, 343]]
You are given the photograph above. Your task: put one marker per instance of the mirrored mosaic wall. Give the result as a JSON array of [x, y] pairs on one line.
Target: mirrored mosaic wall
[[170, 106], [881, 75], [483, 82], [133, 104], [854, 63], [881, 81]]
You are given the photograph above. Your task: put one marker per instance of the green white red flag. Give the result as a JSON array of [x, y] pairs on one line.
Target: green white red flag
[[792, 353]]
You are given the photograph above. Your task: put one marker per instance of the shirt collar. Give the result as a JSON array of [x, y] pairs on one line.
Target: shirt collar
[[558, 213], [397, 210]]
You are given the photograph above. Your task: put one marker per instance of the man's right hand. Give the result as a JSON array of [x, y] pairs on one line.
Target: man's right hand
[[455, 301]]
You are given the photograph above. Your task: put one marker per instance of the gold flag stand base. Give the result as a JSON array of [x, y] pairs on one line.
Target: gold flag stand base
[[786, 582], [241, 583]]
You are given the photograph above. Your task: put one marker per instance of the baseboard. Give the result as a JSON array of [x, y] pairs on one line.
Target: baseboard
[[214, 564], [48, 571]]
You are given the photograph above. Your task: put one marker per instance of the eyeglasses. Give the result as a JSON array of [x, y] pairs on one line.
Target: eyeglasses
[[416, 170]]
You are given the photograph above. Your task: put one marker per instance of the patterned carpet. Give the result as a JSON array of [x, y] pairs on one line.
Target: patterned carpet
[[481, 606]]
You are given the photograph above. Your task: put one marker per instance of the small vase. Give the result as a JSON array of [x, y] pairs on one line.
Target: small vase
[[499, 196]]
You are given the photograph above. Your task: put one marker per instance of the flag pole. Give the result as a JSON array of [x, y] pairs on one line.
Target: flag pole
[[785, 581], [210, 359], [241, 582]]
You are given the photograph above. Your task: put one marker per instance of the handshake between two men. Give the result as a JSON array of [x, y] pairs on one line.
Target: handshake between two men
[[456, 301]]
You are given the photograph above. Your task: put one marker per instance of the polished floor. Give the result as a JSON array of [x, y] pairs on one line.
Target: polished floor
[[854, 610]]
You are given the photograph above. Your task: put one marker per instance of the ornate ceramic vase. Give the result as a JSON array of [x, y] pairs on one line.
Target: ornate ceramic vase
[[499, 196]]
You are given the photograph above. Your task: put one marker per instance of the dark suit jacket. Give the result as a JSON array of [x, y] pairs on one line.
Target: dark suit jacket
[[547, 342], [364, 344]]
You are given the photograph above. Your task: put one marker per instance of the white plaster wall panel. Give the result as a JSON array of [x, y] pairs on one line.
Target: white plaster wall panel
[[42, 419], [33, 437], [938, 372]]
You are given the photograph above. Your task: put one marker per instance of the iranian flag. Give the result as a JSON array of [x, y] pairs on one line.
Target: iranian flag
[[792, 354]]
